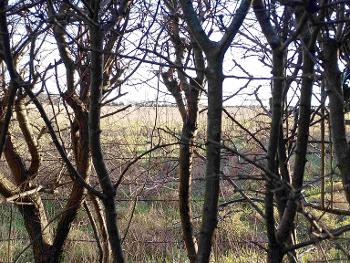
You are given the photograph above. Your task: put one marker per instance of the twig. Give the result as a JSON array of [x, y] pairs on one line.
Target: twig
[[22, 194], [94, 228], [138, 158], [238, 189]]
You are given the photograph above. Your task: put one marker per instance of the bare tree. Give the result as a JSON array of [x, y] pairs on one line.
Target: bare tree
[[186, 92], [332, 47], [33, 214], [47, 248], [214, 52]]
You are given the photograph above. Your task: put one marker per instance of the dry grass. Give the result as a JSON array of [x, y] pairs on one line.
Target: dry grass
[[154, 234]]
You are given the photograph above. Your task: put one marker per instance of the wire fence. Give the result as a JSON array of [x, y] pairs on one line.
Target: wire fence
[[151, 184]]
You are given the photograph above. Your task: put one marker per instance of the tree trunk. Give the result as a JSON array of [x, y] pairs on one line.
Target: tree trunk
[[185, 168], [275, 254], [64, 225], [102, 228], [275, 249], [34, 215], [212, 184], [96, 86], [336, 110], [113, 232], [35, 221], [80, 142]]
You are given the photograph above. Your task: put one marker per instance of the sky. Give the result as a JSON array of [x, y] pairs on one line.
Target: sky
[[146, 84]]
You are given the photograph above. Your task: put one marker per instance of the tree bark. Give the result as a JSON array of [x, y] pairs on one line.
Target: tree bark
[[185, 168], [336, 111], [215, 52], [96, 86], [287, 205], [212, 176], [80, 142], [286, 223], [189, 114], [35, 221], [102, 228], [34, 215]]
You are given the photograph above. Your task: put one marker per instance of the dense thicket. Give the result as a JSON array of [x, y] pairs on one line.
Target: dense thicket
[[72, 70]]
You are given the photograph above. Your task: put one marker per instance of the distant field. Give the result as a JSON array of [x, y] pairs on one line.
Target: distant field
[[150, 185]]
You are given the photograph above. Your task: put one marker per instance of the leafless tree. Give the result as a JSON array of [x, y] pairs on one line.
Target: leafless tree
[[214, 53]]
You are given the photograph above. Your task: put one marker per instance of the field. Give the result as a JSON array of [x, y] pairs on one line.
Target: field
[[147, 199]]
